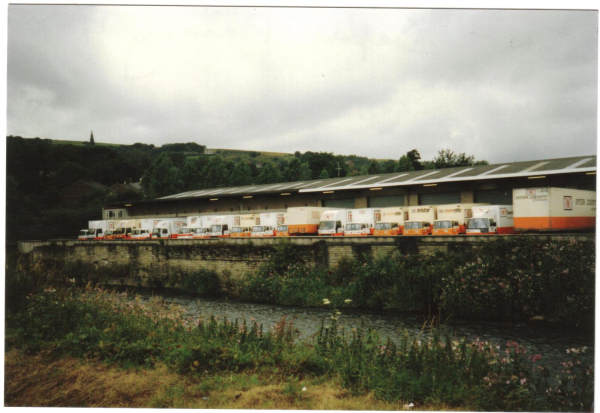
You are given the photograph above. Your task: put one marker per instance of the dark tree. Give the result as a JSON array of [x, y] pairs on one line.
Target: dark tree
[[241, 175], [268, 175], [374, 168], [405, 164], [448, 159]]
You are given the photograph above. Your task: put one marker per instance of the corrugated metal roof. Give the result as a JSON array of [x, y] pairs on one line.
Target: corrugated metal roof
[[430, 176]]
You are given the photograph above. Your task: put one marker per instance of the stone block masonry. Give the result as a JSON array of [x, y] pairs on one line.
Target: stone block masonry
[[231, 258]]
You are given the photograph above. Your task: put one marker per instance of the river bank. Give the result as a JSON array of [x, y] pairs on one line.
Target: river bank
[[135, 335], [66, 382]]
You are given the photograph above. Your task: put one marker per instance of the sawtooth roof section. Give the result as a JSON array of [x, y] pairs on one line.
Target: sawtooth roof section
[[467, 173]]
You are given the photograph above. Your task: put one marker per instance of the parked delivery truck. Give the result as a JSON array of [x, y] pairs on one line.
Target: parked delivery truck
[[301, 221], [420, 220], [242, 225], [390, 221], [452, 219], [554, 209], [333, 222], [125, 228], [491, 219], [268, 224], [220, 226], [168, 228], [360, 222], [95, 230]]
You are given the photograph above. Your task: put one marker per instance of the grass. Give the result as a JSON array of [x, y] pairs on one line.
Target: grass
[[35, 380], [65, 345]]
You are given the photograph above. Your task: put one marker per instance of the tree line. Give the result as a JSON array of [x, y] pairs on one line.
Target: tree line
[[37, 169]]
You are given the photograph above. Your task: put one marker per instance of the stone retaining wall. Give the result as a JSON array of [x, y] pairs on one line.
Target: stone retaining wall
[[234, 257]]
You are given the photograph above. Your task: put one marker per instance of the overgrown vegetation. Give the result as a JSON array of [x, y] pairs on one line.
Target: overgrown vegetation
[[508, 279], [63, 321]]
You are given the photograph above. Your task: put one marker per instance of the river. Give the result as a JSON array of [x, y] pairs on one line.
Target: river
[[550, 341]]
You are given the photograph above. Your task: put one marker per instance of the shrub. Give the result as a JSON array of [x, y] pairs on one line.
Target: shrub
[[205, 282]]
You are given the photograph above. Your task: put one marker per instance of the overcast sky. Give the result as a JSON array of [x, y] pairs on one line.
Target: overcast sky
[[498, 84]]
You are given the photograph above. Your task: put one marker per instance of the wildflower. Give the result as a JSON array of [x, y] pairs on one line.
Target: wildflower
[[303, 388], [338, 313], [408, 406], [347, 301], [326, 301]]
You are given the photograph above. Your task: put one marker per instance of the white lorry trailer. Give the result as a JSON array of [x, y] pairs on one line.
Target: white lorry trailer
[[390, 221], [452, 219], [125, 228], [168, 228], [192, 229], [301, 221], [268, 224], [491, 219], [554, 209], [220, 226], [420, 220], [242, 225], [333, 222], [147, 225], [95, 230], [360, 222]]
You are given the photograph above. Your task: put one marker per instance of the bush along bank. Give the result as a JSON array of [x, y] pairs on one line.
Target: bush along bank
[[508, 279], [109, 327]]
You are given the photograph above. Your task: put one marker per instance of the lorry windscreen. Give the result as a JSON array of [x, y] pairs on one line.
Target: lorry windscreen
[[442, 224], [353, 227], [383, 225], [215, 228], [413, 225], [236, 230], [258, 229], [327, 225], [184, 230], [136, 232], [156, 232], [282, 228], [83, 232], [478, 223]]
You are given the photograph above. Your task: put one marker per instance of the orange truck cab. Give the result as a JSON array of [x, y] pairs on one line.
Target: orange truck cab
[[420, 220], [389, 221], [417, 228], [240, 232], [452, 218], [447, 227], [387, 229]]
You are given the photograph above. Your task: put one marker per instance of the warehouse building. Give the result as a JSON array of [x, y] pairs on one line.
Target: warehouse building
[[491, 184]]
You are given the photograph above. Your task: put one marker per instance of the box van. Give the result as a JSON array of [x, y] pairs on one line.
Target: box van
[[220, 225], [452, 219], [300, 221], [420, 220], [168, 228], [333, 222], [491, 219], [268, 224], [360, 222], [242, 225], [125, 228], [554, 209], [390, 221], [147, 225]]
